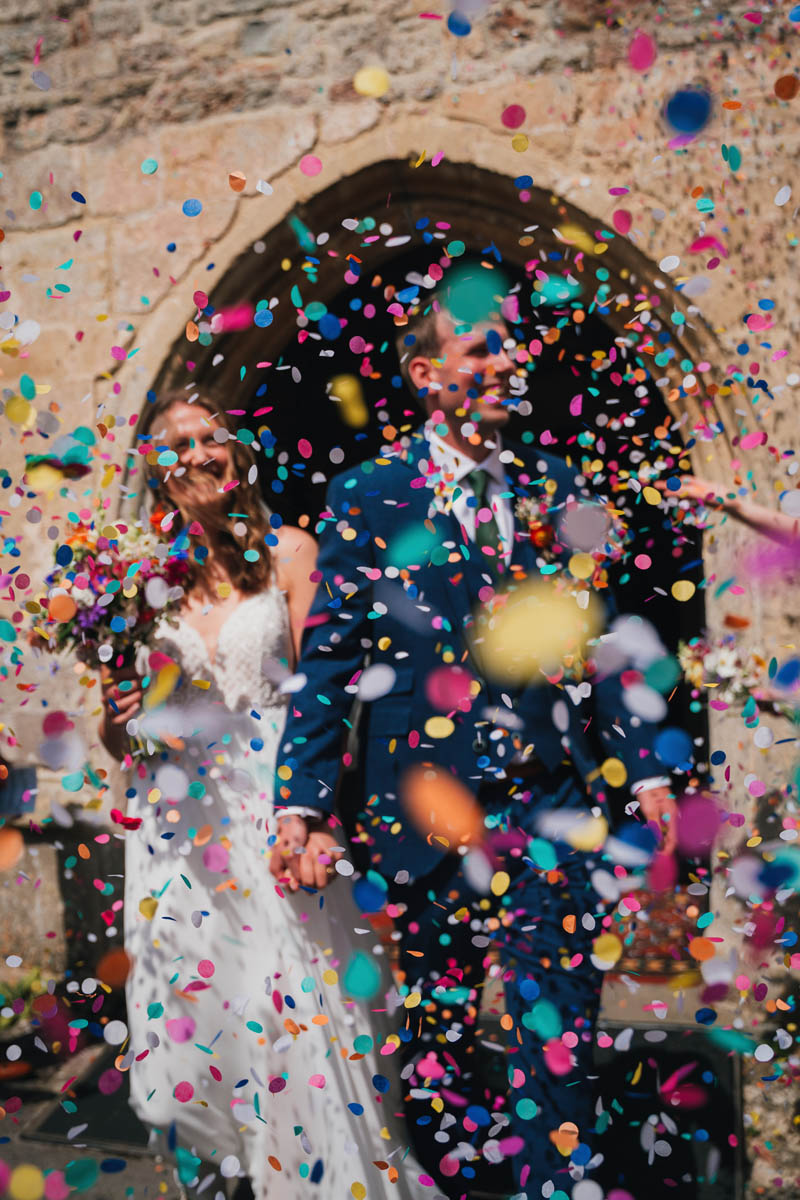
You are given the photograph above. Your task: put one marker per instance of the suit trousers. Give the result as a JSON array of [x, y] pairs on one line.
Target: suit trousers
[[540, 1112]]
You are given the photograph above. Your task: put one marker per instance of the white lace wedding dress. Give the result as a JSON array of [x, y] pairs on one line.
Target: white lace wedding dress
[[241, 1032]]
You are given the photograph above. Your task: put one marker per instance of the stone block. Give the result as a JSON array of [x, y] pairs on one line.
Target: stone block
[[22, 176], [230, 8], [201, 157], [264, 36], [41, 255], [341, 122], [116, 19], [117, 186], [138, 249], [70, 123]]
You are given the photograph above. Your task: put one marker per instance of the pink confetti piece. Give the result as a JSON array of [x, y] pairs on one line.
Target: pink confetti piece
[[642, 52]]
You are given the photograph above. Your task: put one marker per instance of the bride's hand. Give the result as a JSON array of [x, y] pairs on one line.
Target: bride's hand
[[118, 707], [303, 855]]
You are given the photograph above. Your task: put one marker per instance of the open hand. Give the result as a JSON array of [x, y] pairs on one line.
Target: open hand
[[699, 491], [303, 853]]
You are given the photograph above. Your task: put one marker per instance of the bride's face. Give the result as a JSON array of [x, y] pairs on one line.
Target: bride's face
[[204, 463]]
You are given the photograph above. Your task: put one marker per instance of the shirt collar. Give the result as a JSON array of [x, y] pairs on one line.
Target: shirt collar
[[454, 466]]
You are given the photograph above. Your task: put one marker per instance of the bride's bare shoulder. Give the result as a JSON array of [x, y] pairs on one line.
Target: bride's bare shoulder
[[295, 554]]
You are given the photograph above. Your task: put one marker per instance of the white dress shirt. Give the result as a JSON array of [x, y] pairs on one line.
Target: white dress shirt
[[453, 468]]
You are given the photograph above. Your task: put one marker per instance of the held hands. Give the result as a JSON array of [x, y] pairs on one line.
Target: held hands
[[658, 806], [303, 853]]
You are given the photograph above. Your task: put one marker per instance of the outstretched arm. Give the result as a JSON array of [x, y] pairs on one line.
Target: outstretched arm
[[767, 521]]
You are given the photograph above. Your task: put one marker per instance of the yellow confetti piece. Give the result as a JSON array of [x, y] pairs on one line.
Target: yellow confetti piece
[[346, 391], [500, 882], [18, 410], [413, 1000], [421, 159], [439, 727], [683, 589], [147, 907], [588, 834], [614, 772], [577, 236], [371, 81], [330, 976], [519, 142], [205, 684], [533, 631], [651, 495], [357, 1190], [581, 566], [163, 686], [607, 948], [26, 1183]]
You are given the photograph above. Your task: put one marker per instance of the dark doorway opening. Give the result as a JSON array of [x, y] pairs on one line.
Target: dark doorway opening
[[386, 225]]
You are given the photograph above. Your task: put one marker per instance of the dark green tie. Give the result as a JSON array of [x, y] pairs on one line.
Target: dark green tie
[[487, 533]]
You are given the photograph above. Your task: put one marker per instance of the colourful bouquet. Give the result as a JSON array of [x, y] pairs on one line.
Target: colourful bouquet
[[593, 535], [723, 666], [109, 589]]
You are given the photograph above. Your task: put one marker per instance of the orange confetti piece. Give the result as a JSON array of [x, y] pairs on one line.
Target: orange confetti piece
[[275, 1163], [570, 923], [702, 948], [732, 105], [83, 850]]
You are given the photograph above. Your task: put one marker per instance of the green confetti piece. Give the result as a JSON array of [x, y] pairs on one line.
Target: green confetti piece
[[362, 977]]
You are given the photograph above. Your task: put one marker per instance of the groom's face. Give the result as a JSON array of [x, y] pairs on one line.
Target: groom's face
[[468, 378]]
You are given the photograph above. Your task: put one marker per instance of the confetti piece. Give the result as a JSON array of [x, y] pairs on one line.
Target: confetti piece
[[371, 81]]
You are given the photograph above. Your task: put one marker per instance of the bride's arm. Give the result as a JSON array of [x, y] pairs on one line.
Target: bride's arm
[[295, 558]]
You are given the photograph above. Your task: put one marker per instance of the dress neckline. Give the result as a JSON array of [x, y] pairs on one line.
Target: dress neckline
[[211, 657]]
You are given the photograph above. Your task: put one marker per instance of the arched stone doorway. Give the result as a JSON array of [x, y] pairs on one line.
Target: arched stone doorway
[[673, 404], [636, 382]]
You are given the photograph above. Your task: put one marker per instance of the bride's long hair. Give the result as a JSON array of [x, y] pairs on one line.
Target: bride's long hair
[[246, 498]]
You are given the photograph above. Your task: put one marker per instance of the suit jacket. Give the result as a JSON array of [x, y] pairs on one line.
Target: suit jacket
[[389, 589]]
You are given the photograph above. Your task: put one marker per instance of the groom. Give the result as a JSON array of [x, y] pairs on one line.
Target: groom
[[418, 547]]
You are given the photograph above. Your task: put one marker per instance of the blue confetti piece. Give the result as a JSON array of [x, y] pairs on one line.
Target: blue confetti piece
[[330, 326], [458, 24], [191, 208], [78, 198]]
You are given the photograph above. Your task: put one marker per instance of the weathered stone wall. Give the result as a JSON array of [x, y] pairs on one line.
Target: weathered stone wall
[[88, 90]]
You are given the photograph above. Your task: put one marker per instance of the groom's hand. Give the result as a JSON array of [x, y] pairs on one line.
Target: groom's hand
[[304, 853]]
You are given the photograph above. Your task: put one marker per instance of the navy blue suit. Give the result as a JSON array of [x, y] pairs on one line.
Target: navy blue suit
[[389, 589]]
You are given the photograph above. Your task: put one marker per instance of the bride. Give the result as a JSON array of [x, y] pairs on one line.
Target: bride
[[256, 1047]]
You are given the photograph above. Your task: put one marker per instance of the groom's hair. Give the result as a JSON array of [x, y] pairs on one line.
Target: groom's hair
[[420, 337]]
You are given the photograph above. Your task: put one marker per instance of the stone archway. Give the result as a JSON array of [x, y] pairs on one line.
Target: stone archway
[[483, 208], [471, 199]]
